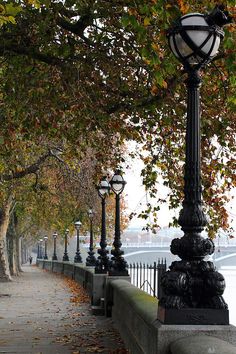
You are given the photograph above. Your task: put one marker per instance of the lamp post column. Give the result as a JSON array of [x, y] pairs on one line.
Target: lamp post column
[[41, 248], [91, 259], [192, 218], [102, 262], [54, 257], [78, 258], [38, 250], [45, 247], [65, 256], [118, 265]]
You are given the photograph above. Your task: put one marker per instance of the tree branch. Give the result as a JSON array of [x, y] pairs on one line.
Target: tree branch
[[78, 27], [30, 52], [146, 101], [26, 171]]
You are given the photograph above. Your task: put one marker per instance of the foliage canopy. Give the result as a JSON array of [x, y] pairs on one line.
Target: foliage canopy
[[89, 74]]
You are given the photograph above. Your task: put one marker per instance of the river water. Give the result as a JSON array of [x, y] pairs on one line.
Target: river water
[[229, 274]]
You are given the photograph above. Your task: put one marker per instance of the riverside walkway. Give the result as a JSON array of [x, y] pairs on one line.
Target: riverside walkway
[[43, 313]]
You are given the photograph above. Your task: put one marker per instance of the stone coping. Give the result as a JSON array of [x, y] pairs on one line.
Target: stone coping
[[142, 303], [201, 344]]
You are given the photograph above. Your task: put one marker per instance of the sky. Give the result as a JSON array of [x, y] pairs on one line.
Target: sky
[[136, 197]]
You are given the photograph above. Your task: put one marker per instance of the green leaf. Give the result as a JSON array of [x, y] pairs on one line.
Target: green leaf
[[12, 9]]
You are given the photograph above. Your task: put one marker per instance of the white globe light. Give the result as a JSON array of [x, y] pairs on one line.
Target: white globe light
[[117, 183], [77, 224], [103, 188], [194, 41]]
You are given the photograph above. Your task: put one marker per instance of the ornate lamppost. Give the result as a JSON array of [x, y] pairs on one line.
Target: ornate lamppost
[[91, 259], [118, 264], [38, 249], [78, 258], [41, 248], [45, 247], [102, 263], [65, 256], [54, 257], [192, 287]]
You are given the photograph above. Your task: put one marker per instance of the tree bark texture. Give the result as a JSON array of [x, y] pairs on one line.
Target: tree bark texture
[[4, 222], [13, 246]]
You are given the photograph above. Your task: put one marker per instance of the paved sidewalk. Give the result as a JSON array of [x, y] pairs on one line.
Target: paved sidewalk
[[40, 314]]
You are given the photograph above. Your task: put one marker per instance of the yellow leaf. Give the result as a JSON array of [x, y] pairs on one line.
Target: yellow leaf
[[2, 9], [155, 46], [11, 19], [34, 3], [146, 21], [164, 84]]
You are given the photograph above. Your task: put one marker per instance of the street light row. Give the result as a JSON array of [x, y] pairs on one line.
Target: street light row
[[117, 264]]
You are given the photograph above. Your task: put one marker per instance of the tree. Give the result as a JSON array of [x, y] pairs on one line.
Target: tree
[[96, 74]]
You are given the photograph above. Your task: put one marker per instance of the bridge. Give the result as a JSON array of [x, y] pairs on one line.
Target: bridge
[[149, 253]]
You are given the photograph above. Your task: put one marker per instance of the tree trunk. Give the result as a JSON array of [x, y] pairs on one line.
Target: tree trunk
[[12, 243], [18, 253], [4, 222]]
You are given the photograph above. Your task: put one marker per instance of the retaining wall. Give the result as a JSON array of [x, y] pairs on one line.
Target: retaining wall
[[135, 315]]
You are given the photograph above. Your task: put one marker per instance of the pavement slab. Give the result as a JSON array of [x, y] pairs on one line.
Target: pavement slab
[[42, 313]]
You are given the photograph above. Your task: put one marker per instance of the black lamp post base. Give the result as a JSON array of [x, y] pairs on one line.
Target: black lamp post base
[[118, 267], [91, 260], [65, 258], [45, 257], [78, 258], [102, 265], [193, 316], [54, 258]]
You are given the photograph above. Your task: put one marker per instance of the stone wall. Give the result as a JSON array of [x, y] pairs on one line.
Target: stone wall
[[135, 315], [93, 283]]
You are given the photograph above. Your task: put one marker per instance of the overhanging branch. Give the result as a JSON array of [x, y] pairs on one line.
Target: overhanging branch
[[26, 171]]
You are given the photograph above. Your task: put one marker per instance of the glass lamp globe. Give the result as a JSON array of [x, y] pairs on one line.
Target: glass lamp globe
[[104, 188], [77, 224], [195, 39], [90, 213], [55, 235], [117, 183]]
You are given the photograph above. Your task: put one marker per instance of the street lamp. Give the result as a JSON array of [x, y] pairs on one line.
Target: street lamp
[[118, 264], [38, 249], [41, 248], [192, 287], [91, 260], [102, 263], [78, 258], [54, 257], [65, 256], [45, 247]]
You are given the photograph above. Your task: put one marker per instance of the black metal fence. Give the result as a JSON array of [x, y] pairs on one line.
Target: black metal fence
[[148, 277]]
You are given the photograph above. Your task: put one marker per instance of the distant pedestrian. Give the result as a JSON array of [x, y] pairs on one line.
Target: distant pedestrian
[[30, 259]]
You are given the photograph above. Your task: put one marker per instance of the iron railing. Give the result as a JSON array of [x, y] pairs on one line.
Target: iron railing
[[148, 277]]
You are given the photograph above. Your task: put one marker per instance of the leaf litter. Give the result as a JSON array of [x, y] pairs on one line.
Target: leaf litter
[[86, 333]]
